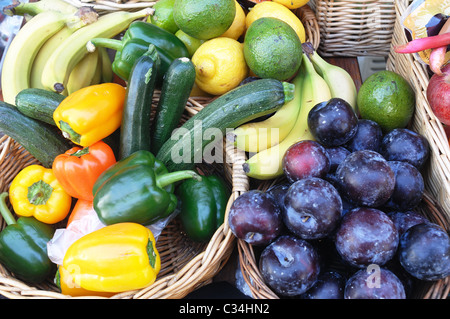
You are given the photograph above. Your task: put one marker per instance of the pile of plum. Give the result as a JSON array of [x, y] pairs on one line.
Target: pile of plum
[[342, 223]]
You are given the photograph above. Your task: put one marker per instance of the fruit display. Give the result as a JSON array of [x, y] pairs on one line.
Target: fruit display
[[335, 174]]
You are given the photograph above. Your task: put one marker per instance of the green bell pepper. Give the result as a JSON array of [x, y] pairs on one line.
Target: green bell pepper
[[135, 43], [23, 246], [137, 189], [202, 206]]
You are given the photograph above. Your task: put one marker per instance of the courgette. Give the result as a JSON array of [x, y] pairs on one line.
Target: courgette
[[244, 103], [40, 139], [38, 104], [135, 128], [176, 87]]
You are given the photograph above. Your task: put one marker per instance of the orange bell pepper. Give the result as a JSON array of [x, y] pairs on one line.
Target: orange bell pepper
[[92, 113], [78, 168], [36, 192]]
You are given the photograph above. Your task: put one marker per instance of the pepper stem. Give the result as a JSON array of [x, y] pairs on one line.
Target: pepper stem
[[113, 44], [170, 178], [4, 210]]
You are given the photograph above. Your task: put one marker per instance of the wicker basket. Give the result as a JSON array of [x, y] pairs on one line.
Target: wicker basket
[[185, 265], [435, 205], [355, 27]]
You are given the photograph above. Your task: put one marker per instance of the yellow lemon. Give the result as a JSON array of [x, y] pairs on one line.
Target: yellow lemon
[[279, 11], [219, 65], [292, 4], [237, 28]]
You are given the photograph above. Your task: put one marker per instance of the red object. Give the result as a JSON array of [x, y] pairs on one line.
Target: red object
[[438, 95], [82, 208], [421, 44], [78, 168]]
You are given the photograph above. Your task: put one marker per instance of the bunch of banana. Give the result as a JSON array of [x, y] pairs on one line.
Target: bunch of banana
[[49, 51], [317, 81]]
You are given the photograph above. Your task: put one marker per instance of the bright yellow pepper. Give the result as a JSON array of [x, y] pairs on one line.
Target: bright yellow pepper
[[115, 258], [36, 192], [92, 113]]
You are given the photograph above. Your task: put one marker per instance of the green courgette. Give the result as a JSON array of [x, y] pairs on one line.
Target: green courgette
[[40, 139], [38, 104], [135, 128], [176, 87], [187, 145]]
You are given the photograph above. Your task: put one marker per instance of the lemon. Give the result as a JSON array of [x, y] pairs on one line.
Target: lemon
[[279, 11], [292, 4], [237, 28], [386, 98], [204, 19], [163, 16], [272, 49], [219, 65]]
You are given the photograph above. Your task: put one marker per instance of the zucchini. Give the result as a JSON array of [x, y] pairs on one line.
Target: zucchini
[[176, 87], [38, 104], [41, 140], [240, 105], [136, 120]]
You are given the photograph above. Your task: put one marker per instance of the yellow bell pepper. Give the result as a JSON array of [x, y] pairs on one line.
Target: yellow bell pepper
[[92, 113], [115, 258], [36, 192]]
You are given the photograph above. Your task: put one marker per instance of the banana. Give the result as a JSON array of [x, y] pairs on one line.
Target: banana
[[107, 74], [42, 56], [97, 77], [83, 73], [267, 164], [34, 8], [23, 50], [257, 136], [73, 49], [339, 81], [87, 16]]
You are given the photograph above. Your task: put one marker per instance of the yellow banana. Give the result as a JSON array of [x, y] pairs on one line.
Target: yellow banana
[[41, 58], [267, 164], [106, 66], [83, 73], [339, 81], [257, 136], [24, 48], [73, 49]]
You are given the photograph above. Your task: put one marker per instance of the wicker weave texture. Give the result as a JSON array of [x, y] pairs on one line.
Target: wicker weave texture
[[355, 27]]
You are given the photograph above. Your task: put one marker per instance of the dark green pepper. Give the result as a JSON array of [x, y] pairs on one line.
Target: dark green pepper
[[135, 43], [137, 189], [23, 246], [202, 206]]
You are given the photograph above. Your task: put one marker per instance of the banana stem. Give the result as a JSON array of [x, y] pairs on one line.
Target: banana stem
[[113, 44]]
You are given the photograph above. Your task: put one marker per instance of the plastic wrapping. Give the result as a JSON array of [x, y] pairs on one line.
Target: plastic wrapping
[[425, 18]]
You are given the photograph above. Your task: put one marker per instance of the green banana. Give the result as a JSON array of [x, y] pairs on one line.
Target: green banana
[[25, 46], [107, 74], [73, 49], [257, 136], [339, 81], [267, 164], [34, 8]]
